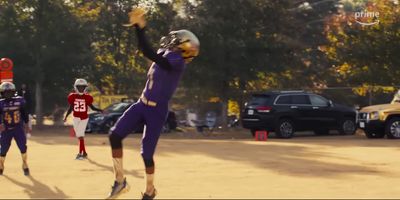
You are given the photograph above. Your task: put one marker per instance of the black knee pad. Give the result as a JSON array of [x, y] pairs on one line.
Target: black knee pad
[[3, 154], [115, 141], [148, 162], [24, 150]]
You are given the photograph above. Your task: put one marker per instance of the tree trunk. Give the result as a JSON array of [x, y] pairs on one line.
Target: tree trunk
[[241, 104], [224, 113], [370, 96], [38, 107], [40, 23]]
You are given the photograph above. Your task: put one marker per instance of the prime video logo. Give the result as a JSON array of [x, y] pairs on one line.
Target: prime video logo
[[366, 18]]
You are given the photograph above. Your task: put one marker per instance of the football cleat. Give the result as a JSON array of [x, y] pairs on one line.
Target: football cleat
[[149, 197], [79, 157], [118, 188], [84, 155], [26, 171]]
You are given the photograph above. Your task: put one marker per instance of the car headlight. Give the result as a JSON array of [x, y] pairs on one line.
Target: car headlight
[[373, 116]]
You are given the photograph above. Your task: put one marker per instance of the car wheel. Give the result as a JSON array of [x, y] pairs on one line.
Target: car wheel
[[166, 128], [88, 129], [373, 133], [322, 131], [348, 127], [253, 132], [108, 125], [285, 128], [392, 128]]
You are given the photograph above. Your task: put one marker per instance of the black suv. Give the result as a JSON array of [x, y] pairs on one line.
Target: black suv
[[288, 111]]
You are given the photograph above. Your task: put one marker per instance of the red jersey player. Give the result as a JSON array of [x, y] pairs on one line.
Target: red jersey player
[[79, 101]]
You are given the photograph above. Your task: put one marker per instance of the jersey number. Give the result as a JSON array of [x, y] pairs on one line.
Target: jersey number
[[151, 80], [9, 118], [79, 106]]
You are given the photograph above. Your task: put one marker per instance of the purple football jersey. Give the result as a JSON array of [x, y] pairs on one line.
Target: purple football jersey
[[11, 112], [161, 84]]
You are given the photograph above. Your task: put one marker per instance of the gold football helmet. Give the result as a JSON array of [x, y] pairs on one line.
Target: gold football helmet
[[187, 42]]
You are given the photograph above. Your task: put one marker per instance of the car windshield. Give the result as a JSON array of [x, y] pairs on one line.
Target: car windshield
[[396, 98], [118, 107], [259, 100]]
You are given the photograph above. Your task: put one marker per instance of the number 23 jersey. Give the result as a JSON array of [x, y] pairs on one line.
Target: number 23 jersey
[[80, 104]]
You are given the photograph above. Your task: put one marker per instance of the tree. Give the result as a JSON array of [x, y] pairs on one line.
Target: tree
[[365, 55], [118, 66], [49, 47], [254, 45]]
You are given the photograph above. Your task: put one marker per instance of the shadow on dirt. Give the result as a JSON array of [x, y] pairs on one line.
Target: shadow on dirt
[[39, 190], [134, 173]]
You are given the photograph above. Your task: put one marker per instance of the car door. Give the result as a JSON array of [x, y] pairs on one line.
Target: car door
[[322, 112], [283, 106], [301, 105]]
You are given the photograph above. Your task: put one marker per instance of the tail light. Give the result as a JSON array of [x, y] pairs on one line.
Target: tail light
[[264, 109]]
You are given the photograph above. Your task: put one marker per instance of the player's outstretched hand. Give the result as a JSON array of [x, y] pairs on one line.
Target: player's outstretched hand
[[137, 16], [2, 128]]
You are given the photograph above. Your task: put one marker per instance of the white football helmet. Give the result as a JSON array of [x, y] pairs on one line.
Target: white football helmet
[[7, 86], [7, 90], [80, 86]]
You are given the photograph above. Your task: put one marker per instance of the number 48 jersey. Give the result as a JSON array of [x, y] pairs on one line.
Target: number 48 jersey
[[12, 112], [80, 104]]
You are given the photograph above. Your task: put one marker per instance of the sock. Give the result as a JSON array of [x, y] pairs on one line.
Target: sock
[[149, 184], [118, 170], [82, 145], [24, 160]]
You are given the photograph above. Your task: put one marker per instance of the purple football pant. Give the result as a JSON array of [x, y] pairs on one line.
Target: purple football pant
[[18, 134], [137, 115]]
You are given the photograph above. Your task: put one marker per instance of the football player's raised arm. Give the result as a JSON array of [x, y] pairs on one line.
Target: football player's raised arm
[[94, 108], [68, 112], [149, 52]]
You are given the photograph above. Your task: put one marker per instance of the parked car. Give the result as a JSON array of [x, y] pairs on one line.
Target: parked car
[[286, 112], [380, 120], [102, 122]]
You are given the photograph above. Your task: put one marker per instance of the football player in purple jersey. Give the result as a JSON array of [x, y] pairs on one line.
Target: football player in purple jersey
[[13, 124], [169, 62]]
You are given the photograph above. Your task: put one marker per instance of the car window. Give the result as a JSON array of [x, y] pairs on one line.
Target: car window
[[259, 100], [300, 99], [283, 100], [318, 101]]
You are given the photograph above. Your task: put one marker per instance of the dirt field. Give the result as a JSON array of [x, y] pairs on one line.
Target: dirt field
[[224, 165]]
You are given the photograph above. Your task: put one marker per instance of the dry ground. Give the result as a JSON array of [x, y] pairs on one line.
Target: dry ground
[[222, 165]]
